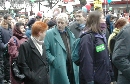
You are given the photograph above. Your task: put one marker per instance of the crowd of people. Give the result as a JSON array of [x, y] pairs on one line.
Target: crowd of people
[[42, 48]]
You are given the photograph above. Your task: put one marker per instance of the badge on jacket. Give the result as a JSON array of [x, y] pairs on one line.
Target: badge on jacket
[[100, 48]]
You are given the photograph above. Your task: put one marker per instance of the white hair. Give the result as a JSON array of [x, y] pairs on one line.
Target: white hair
[[62, 16]]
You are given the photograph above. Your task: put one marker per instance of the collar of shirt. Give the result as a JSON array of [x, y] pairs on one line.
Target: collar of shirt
[[101, 36]]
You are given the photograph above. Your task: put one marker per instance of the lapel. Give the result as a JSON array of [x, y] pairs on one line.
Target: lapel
[[71, 37], [35, 50], [58, 38]]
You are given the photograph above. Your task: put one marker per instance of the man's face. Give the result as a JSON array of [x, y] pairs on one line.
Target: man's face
[[61, 24], [9, 20], [79, 18], [17, 18]]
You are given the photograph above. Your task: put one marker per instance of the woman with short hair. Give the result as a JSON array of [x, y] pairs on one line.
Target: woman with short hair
[[32, 56]]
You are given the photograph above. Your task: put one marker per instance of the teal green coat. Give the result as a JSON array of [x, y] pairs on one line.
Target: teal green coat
[[56, 55]]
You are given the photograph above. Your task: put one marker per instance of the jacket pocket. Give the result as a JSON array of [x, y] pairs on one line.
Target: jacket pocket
[[37, 75]]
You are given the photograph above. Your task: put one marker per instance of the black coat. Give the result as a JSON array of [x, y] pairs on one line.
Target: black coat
[[74, 28], [32, 64], [5, 35]]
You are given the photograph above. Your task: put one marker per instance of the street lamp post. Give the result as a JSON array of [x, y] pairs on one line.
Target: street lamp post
[[127, 9], [39, 4], [31, 10]]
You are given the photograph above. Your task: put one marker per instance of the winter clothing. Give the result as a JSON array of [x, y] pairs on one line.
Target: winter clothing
[[95, 66], [13, 46], [30, 23], [110, 24], [114, 33], [32, 64], [76, 29], [121, 55], [57, 57], [5, 35], [51, 23]]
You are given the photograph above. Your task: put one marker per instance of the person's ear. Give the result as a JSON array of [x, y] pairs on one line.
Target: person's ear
[[39, 33]]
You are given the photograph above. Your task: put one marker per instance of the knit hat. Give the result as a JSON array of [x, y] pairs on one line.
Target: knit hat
[[39, 14]]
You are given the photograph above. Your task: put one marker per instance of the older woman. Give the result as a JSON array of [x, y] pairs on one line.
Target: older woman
[[32, 56], [58, 42], [13, 45]]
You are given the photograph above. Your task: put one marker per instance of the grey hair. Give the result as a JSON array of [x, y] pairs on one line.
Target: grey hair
[[62, 16]]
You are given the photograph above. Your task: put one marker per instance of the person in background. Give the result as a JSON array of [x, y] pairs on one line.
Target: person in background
[[26, 21], [39, 16], [110, 20], [17, 17], [5, 35], [46, 20], [121, 22], [30, 23], [13, 46], [51, 24], [121, 55], [95, 65], [1, 18], [21, 20], [77, 27], [58, 43]]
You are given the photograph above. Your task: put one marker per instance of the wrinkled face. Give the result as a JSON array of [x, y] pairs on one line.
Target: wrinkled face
[[79, 18], [61, 24], [22, 29]]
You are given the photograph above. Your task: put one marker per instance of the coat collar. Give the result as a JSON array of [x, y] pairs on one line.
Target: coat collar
[[35, 50], [58, 38]]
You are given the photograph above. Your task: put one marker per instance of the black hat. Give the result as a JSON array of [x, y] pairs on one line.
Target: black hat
[[51, 23], [31, 21]]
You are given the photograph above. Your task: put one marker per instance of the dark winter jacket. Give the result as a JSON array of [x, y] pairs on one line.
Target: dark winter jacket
[[33, 64], [94, 60], [75, 29], [121, 55], [5, 35]]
